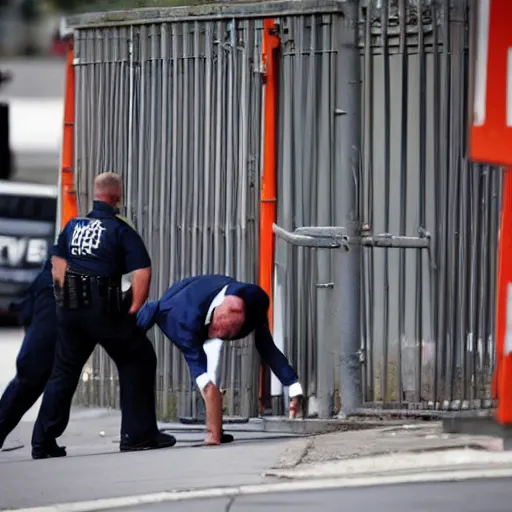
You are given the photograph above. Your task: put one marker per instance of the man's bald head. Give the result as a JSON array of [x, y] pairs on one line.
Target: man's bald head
[[108, 187], [228, 318]]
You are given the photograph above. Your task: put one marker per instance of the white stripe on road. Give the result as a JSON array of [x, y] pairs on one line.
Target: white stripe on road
[[246, 490]]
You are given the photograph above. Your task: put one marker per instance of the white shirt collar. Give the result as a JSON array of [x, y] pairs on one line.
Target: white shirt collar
[[217, 301]]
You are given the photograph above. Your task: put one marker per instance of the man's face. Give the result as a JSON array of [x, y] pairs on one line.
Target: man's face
[[228, 319]]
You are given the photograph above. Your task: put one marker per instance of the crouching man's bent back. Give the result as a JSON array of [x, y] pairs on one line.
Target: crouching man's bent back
[[197, 314]]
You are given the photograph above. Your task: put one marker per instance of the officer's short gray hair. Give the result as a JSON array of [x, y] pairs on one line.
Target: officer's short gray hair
[[108, 182]]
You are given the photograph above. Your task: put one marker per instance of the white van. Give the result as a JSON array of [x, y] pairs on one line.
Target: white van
[[28, 215]]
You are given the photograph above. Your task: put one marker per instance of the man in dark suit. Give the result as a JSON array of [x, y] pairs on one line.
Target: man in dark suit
[[197, 314]]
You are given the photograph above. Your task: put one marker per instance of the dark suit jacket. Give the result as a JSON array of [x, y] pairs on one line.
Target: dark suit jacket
[[181, 314]]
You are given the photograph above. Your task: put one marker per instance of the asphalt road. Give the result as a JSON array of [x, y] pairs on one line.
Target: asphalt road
[[467, 496]]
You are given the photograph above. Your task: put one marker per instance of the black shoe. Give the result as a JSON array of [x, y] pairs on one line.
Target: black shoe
[[45, 453], [161, 440], [226, 438]]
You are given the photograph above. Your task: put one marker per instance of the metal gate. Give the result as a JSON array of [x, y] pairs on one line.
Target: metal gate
[[372, 139], [428, 317], [176, 109]]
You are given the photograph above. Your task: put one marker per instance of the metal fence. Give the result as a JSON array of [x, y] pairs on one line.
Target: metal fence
[[428, 317], [175, 106]]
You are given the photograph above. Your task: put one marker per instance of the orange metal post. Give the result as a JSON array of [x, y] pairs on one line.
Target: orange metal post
[[503, 375], [491, 131], [68, 193], [268, 183], [490, 135]]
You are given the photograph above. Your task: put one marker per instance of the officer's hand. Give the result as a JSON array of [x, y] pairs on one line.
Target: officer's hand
[[59, 267]]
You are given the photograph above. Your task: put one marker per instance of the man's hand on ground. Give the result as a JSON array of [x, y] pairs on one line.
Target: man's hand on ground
[[295, 407]]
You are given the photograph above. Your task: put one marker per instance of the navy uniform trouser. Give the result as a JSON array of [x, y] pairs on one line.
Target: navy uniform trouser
[[79, 332], [33, 368]]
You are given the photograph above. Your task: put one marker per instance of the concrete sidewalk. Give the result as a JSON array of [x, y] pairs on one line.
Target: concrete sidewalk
[[95, 469], [411, 448], [96, 476]]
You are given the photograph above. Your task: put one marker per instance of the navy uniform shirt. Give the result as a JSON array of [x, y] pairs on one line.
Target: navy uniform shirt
[[101, 244], [38, 300]]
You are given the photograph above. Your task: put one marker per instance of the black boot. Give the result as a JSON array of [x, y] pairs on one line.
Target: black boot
[[48, 452], [160, 440], [226, 438]]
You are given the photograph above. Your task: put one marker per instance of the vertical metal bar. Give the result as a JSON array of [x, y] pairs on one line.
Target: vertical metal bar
[[175, 127], [229, 264], [497, 197], [151, 127], [207, 160], [245, 51], [196, 116], [464, 220], [434, 269], [347, 149], [163, 239], [118, 125], [243, 146], [301, 138], [195, 206], [285, 209], [387, 191], [109, 112], [129, 170], [422, 192], [483, 282], [402, 337], [495, 205], [97, 97], [474, 185], [368, 291], [325, 343], [217, 263], [185, 152], [142, 146], [452, 172], [444, 126], [308, 178]]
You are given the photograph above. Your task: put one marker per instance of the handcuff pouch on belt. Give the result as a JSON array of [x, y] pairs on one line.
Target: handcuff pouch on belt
[[82, 291]]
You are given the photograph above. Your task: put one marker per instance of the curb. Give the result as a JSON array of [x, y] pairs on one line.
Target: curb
[[396, 464], [315, 427], [293, 454], [262, 489]]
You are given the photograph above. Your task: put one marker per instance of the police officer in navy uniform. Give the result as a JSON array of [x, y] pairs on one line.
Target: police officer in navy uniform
[[88, 261], [197, 314], [36, 312]]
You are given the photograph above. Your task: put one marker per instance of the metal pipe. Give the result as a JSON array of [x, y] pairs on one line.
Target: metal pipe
[[305, 240], [346, 166], [332, 237], [327, 321], [270, 44]]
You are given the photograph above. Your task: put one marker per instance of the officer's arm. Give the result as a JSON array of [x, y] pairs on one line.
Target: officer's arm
[[59, 254], [140, 288], [136, 260]]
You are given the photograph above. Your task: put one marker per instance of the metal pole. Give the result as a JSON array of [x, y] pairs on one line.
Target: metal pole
[[326, 323], [346, 183]]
